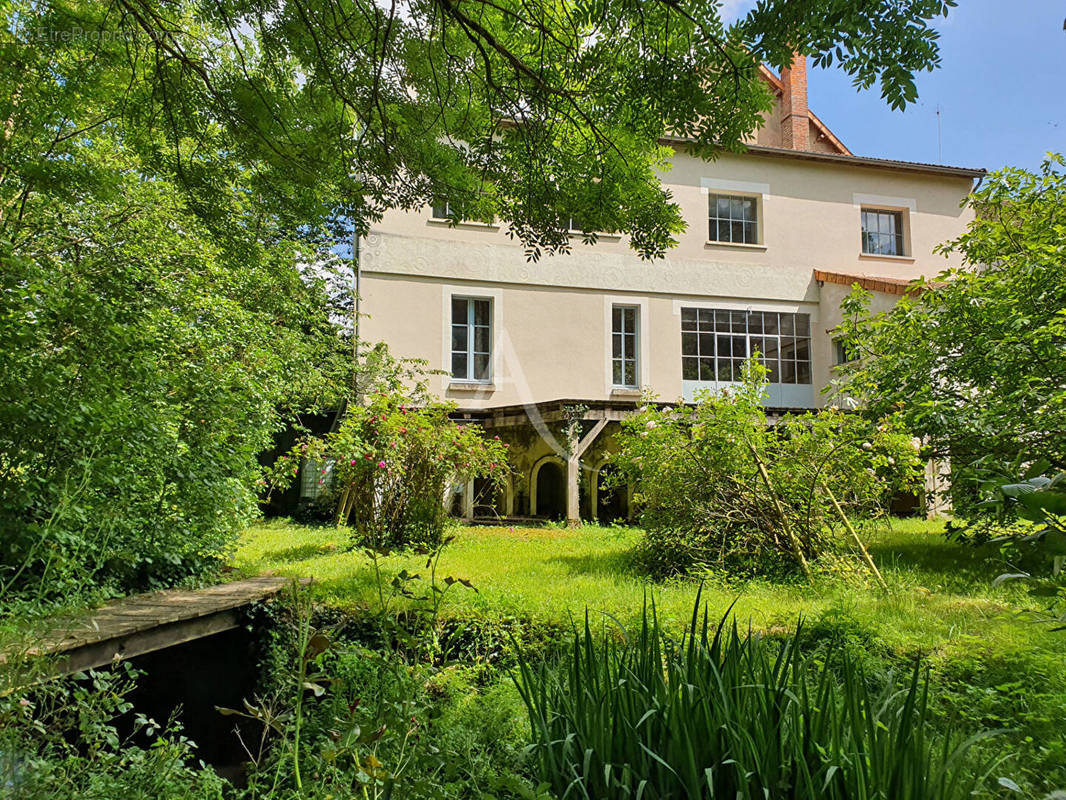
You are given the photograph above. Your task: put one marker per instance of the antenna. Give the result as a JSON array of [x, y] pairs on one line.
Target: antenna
[[939, 138]]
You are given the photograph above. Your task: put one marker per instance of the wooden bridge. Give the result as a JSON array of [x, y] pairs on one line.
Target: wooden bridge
[[133, 626]]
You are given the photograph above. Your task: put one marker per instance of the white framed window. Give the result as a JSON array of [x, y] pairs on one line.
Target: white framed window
[[882, 232], [625, 346], [441, 211], [716, 342], [732, 218], [471, 346]]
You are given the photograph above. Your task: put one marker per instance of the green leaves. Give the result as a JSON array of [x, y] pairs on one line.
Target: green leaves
[[723, 714], [719, 486], [974, 360]]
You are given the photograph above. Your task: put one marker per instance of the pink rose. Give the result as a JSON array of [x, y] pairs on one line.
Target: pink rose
[[381, 464]]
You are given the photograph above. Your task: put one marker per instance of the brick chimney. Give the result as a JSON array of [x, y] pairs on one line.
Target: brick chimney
[[795, 123]]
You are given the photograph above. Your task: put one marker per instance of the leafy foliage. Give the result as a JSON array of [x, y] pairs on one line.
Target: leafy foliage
[[144, 365], [389, 464], [67, 740], [974, 360], [720, 714], [152, 337], [719, 485], [528, 111]]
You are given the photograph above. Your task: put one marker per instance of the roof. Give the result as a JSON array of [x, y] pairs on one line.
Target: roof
[[851, 160], [866, 161], [873, 283]]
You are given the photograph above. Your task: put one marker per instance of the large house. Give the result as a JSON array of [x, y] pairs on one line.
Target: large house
[[776, 237]]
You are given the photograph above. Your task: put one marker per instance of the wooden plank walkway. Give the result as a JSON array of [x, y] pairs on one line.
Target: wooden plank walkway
[[132, 626]]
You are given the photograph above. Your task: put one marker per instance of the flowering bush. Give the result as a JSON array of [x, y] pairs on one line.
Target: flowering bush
[[718, 485], [387, 467]]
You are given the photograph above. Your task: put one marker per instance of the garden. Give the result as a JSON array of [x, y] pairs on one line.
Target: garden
[[177, 319]]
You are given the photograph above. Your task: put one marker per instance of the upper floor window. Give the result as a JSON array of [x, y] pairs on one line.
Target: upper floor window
[[624, 353], [733, 219], [716, 342], [882, 232], [442, 211], [471, 339]]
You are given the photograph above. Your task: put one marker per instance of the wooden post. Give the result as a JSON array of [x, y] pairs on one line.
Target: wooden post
[[468, 500], [854, 535], [573, 471], [797, 547]]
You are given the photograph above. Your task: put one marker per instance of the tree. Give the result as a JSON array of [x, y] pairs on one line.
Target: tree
[[975, 360], [528, 111]]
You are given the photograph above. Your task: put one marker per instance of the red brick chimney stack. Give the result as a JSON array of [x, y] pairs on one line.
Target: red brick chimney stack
[[795, 123]]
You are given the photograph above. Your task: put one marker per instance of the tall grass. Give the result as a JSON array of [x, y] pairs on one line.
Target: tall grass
[[720, 714]]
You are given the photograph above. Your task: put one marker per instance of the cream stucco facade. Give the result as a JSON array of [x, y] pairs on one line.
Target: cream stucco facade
[[551, 324]]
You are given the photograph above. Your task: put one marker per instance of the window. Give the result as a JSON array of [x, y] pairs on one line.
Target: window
[[844, 354], [624, 322], [471, 339], [716, 342], [882, 232], [733, 219], [441, 210]]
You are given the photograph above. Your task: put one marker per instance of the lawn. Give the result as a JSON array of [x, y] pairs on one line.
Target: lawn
[[940, 599], [991, 668]]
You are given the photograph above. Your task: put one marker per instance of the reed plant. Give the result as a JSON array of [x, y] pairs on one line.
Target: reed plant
[[721, 713]]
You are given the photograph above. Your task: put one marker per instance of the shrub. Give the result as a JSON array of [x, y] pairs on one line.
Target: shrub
[[145, 361], [721, 714], [71, 739], [388, 466], [719, 485]]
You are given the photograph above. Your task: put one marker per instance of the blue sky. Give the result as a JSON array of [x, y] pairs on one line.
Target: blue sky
[[1000, 89]]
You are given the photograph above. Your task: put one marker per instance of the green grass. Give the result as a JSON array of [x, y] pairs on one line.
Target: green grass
[[991, 667], [940, 595]]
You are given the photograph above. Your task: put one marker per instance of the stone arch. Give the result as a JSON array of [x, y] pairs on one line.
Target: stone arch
[[547, 490]]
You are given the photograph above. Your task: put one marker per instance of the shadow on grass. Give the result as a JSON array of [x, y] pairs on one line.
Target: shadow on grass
[[301, 552], [963, 563], [621, 564]]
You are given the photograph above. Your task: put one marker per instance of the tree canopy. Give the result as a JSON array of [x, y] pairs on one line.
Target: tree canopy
[[523, 110], [976, 360]]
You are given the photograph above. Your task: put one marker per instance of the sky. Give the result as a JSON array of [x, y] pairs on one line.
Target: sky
[[1000, 89]]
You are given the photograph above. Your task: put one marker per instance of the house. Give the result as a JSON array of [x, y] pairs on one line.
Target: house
[[551, 355]]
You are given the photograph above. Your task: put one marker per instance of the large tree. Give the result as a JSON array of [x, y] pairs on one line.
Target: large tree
[[523, 110], [977, 358]]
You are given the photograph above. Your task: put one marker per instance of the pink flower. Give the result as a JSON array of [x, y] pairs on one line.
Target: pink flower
[[381, 464], [492, 466], [497, 438], [353, 460]]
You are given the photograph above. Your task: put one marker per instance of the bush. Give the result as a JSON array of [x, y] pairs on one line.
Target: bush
[[71, 740], [718, 485], [388, 466], [720, 714], [144, 363]]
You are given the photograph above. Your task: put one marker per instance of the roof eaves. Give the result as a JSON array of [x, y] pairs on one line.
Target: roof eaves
[[849, 160]]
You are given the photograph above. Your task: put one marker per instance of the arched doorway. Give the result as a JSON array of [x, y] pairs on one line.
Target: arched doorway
[[550, 490], [612, 501]]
